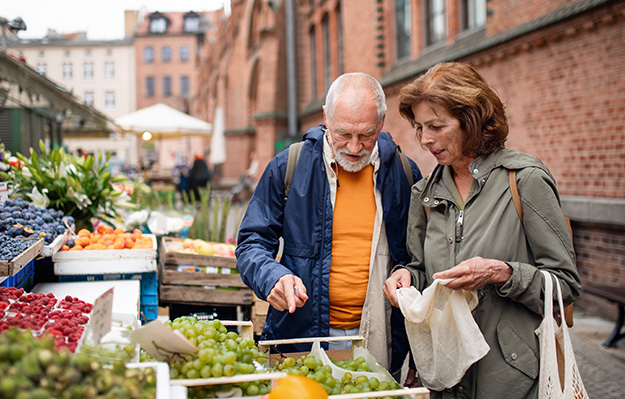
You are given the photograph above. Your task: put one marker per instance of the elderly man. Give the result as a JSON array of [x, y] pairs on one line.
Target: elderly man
[[343, 225]]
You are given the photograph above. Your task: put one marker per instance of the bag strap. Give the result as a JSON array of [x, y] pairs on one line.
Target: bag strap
[[405, 163], [516, 199], [294, 150]]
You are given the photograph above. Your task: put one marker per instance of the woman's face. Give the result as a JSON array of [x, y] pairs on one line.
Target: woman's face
[[440, 133]]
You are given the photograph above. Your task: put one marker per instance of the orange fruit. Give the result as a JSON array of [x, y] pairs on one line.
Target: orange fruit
[[129, 244], [76, 248], [64, 248], [137, 233], [119, 230], [84, 232], [100, 229], [297, 386], [118, 245], [83, 241]]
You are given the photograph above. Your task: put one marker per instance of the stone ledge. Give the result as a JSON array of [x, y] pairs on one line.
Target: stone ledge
[[594, 209]]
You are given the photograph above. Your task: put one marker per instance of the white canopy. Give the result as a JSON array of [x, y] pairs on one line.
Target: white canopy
[[163, 121]]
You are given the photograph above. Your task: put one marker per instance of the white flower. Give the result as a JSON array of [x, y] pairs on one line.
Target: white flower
[[39, 199]]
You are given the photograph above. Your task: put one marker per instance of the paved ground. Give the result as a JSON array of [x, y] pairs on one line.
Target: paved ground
[[602, 369]]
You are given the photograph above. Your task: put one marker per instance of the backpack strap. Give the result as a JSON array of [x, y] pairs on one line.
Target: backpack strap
[[294, 150], [405, 163]]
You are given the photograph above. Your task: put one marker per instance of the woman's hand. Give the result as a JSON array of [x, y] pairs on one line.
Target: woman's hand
[[475, 273], [400, 278]]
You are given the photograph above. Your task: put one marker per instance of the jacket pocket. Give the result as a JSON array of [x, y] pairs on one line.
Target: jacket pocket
[[302, 250], [516, 351]]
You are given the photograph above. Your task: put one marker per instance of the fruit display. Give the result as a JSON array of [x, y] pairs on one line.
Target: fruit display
[[32, 367], [220, 354], [11, 247], [19, 219], [294, 385], [313, 368], [116, 345], [201, 247], [225, 354], [44, 314], [105, 237]]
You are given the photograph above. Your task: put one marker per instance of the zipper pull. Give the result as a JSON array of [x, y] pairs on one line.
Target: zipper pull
[[459, 226]]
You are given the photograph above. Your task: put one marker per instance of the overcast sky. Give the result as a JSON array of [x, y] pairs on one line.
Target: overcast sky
[[101, 19]]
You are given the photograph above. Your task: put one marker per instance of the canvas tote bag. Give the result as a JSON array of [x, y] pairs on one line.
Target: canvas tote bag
[[559, 376]]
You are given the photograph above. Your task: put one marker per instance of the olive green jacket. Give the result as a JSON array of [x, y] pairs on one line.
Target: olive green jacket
[[490, 228]]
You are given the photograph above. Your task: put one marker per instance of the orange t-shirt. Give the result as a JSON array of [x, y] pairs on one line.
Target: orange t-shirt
[[352, 231]]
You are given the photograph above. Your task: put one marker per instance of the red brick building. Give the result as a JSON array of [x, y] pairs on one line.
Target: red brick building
[[557, 65]]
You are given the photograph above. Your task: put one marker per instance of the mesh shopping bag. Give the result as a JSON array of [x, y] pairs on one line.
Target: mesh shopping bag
[[444, 338], [559, 376]]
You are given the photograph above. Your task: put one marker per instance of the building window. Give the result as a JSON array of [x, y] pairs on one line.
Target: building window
[[89, 98], [184, 53], [184, 85], [191, 22], [149, 86], [402, 28], [158, 25], [327, 55], [167, 86], [166, 54], [313, 62], [87, 70], [339, 37], [109, 70], [67, 71], [473, 13], [109, 99], [148, 54], [42, 68], [435, 21]]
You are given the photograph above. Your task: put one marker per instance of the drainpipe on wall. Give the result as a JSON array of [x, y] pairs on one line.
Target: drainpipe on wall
[[291, 76]]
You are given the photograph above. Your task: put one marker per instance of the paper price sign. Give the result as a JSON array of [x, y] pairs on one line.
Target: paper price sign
[[102, 315], [4, 192]]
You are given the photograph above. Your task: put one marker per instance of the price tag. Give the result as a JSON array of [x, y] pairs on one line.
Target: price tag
[[161, 342], [101, 316], [4, 192]]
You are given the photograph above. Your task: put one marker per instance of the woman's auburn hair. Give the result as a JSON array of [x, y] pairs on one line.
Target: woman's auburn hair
[[465, 94]]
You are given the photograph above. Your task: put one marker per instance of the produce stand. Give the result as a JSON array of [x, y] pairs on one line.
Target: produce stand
[[125, 296], [13, 266], [55, 246], [197, 287]]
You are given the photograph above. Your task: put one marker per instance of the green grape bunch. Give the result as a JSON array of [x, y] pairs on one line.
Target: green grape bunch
[[313, 368]]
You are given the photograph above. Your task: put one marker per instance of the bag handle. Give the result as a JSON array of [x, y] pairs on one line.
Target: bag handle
[[549, 297]]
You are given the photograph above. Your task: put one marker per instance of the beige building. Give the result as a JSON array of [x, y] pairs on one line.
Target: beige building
[[100, 73]]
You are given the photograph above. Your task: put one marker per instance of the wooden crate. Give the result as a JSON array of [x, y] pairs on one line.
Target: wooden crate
[[106, 261], [259, 314], [336, 354], [190, 287], [13, 266]]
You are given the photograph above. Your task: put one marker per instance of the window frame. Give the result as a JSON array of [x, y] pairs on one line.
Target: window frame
[[150, 88], [148, 54], [432, 37], [403, 29]]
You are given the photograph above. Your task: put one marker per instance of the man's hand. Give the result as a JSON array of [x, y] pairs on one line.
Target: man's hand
[[400, 278], [475, 273], [288, 293]]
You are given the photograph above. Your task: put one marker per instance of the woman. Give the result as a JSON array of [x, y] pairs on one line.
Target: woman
[[463, 225]]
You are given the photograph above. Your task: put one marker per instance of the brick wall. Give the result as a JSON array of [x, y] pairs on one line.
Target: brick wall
[[505, 14]]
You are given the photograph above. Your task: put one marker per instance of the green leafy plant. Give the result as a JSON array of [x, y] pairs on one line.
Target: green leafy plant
[[81, 187]]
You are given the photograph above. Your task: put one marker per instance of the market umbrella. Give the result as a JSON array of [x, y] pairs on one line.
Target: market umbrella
[[166, 123], [163, 121]]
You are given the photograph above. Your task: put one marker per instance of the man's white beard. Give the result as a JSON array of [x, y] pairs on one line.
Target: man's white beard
[[349, 165]]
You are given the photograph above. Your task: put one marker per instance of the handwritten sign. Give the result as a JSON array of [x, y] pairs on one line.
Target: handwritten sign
[[161, 342], [102, 315]]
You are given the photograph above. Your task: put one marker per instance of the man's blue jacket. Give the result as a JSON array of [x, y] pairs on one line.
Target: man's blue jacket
[[305, 223]]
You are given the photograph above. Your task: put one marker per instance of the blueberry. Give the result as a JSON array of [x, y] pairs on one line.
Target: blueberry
[[4, 215], [21, 221], [17, 215], [38, 220], [70, 242], [9, 221], [47, 218], [8, 203], [60, 229]]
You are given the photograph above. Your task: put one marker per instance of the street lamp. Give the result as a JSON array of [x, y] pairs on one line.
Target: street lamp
[[14, 26]]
